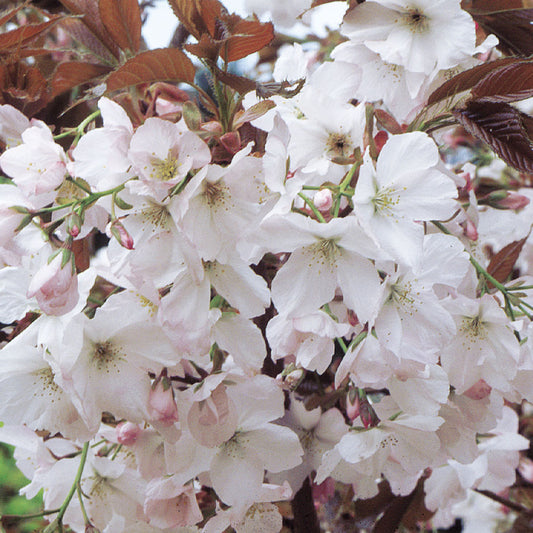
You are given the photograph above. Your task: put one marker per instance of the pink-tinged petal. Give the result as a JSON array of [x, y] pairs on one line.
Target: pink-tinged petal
[[114, 115], [278, 447], [305, 282], [356, 446]]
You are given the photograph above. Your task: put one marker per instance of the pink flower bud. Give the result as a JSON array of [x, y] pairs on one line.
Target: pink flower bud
[[479, 390], [162, 404], [323, 200], [127, 433], [353, 404], [369, 418], [120, 233], [55, 285], [513, 200], [380, 139]]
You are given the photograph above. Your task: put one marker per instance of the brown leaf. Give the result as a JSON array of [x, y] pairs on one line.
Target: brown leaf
[[164, 64], [393, 516], [92, 20], [238, 83], [507, 84], [320, 2], [73, 73], [122, 19], [205, 48], [374, 506], [523, 524], [468, 79], [512, 27], [505, 129], [10, 14], [25, 34], [190, 16], [387, 121], [494, 5], [502, 264], [24, 87], [89, 42], [248, 36]]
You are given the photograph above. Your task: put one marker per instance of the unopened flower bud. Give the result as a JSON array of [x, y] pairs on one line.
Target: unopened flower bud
[[127, 433], [353, 404], [369, 418], [74, 224], [120, 233], [291, 377], [323, 200], [514, 200], [162, 404], [505, 200]]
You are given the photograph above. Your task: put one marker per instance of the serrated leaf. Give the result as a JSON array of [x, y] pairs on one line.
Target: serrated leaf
[[164, 64], [256, 111], [70, 74], [512, 27], [89, 42], [467, 79], [189, 14], [26, 220], [387, 121], [509, 83], [502, 264], [238, 83], [21, 36], [93, 22], [122, 19], [505, 129], [247, 37]]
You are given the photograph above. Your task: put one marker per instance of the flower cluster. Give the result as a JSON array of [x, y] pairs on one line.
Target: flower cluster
[[344, 255]]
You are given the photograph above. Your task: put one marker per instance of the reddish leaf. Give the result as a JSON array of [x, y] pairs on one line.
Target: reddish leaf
[[122, 19], [205, 48], [248, 36], [238, 83], [512, 27], [468, 79], [494, 5], [189, 14], [387, 121], [321, 2], [92, 20], [507, 84], [73, 73], [502, 264], [25, 34], [24, 87], [90, 43], [252, 113], [165, 64], [10, 14], [505, 129], [216, 17]]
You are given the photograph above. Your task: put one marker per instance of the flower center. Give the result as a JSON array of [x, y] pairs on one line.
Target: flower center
[[474, 327], [339, 146], [215, 193], [416, 21], [385, 200], [166, 169], [105, 354]]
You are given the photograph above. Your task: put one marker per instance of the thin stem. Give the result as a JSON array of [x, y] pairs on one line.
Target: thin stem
[[342, 344], [57, 523], [81, 128], [311, 205], [28, 516], [343, 186], [508, 503], [79, 185], [82, 506]]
